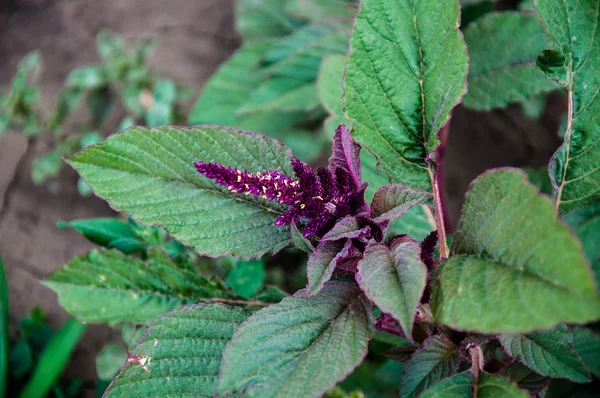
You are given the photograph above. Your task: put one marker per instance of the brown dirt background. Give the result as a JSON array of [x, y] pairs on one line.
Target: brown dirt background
[[195, 36]]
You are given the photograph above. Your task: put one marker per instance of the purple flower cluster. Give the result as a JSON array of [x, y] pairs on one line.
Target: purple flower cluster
[[316, 200]]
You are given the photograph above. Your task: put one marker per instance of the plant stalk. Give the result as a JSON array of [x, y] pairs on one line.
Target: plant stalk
[[439, 212]]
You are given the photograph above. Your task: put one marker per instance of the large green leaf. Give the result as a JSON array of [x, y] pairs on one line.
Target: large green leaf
[[572, 27], [437, 359], [462, 386], [514, 267], [231, 87], [394, 278], [300, 347], [149, 173], [503, 48], [257, 19], [179, 354], [329, 88], [406, 70], [108, 286], [548, 352]]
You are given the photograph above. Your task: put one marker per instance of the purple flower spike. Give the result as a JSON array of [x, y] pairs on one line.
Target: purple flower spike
[[428, 247], [316, 200], [271, 185]]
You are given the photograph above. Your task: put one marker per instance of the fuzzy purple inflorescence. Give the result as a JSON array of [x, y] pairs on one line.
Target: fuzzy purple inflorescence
[[428, 247], [317, 200]]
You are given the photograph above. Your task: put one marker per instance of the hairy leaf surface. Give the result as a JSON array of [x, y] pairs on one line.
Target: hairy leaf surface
[[548, 352], [299, 347], [503, 49], [394, 278], [108, 286], [321, 264], [572, 27], [179, 354], [462, 386], [513, 266], [149, 173], [394, 200], [437, 359], [587, 345], [406, 70]]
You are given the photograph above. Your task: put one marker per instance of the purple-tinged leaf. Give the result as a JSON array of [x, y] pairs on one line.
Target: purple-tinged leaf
[[394, 200], [322, 263], [346, 154], [437, 359], [347, 228], [300, 241], [394, 278]]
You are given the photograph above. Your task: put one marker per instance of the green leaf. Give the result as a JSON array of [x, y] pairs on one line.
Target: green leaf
[[306, 145], [246, 278], [109, 45], [282, 94], [572, 27], [587, 345], [4, 326], [45, 167], [322, 263], [437, 359], [586, 226], [271, 294], [86, 77], [231, 87], [458, 386], [110, 359], [503, 48], [394, 278], [299, 55], [488, 386], [179, 354], [394, 200], [192, 208], [547, 352], [257, 19], [329, 90], [554, 65], [525, 378], [299, 347], [320, 11], [108, 286], [53, 360], [407, 69], [101, 231], [491, 386], [514, 267], [300, 241]]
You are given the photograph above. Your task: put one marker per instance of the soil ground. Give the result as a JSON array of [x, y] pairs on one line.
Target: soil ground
[[194, 37]]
